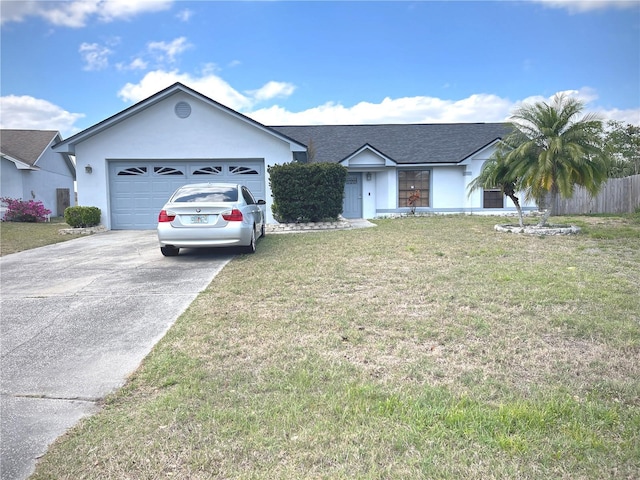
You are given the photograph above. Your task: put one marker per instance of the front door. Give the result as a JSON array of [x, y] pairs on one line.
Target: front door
[[352, 204]]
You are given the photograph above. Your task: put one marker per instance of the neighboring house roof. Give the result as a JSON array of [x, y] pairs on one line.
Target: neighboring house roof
[[25, 146], [403, 143], [69, 144]]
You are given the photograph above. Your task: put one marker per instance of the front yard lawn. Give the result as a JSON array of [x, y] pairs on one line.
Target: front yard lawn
[[19, 236], [428, 347]]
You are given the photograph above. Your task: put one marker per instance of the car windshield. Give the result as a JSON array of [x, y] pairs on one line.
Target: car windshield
[[209, 194]]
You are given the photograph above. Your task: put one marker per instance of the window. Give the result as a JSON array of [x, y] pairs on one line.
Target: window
[[248, 197], [166, 171], [239, 170], [493, 198], [208, 171], [214, 193], [133, 171], [412, 183]]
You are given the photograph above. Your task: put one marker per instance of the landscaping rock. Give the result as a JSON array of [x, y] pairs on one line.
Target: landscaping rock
[[537, 230], [82, 231]]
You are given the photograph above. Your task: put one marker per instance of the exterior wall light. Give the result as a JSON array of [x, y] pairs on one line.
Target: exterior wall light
[[88, 168], [368, 176]]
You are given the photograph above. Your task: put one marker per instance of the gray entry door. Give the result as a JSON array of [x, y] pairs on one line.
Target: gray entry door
[[352, 204]]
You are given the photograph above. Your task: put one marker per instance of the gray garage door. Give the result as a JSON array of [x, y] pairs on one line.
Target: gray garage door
[[139, 188]]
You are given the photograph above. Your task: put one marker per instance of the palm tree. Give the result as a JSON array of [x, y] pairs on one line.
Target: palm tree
[[552, 150], [495, 173]]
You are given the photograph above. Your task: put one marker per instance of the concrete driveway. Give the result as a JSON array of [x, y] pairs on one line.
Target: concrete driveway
[[76, 319]]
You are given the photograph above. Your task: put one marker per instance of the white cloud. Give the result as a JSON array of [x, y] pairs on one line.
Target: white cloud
[[110, 10], [32, 113], [631, 115], [208, 83], [184, 15], [25, 112], [272, 90], [590, 98], [167, 51], [135, 64], [77, 13], [475, 108], [95, 56], [581, 6]]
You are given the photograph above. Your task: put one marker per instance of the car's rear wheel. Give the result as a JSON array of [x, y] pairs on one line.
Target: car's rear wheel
[[251, 248], [169, 251]]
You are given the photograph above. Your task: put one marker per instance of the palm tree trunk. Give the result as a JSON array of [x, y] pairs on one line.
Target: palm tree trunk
[[547, 212], [516, 202]]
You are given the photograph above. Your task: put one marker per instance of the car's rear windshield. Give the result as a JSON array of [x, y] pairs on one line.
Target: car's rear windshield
[[210, 194]]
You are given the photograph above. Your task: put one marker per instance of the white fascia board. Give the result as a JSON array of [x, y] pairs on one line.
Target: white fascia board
[[410, 166], [388, 162], [467, 160], [20, 165]]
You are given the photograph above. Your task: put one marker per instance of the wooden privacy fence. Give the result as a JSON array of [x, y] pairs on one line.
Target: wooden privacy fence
[[618, 195]]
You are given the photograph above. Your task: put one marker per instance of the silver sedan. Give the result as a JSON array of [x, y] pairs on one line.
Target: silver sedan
[[210, 215]]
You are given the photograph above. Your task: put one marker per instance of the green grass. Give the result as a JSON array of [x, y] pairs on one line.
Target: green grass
[[429, 347], [19, 236]]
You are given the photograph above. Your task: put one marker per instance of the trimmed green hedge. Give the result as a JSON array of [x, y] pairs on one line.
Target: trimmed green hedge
[[307, 192], [80, 217]]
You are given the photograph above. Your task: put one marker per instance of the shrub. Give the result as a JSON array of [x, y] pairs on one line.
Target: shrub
[[19, 210], [80, 217], [307, 192]]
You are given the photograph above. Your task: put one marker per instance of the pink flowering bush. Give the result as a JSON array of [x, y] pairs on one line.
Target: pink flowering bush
[[24, 211]]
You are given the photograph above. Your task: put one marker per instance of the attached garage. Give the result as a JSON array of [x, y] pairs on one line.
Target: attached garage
[[129, 164], [139, 189]]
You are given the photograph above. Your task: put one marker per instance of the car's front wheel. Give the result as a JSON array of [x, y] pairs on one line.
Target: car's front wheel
[[169, 251], [251, 248]]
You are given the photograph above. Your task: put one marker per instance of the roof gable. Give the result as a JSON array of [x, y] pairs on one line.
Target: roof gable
[[368, 156], [26, 146], [69, 144], [402, 143]]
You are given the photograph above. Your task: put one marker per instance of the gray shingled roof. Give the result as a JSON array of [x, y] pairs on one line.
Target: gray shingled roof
[[25, 145], [403, 143]]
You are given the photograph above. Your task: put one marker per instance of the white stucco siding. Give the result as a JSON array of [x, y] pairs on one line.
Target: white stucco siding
[[386, 189], [473, 168], [447, 187], [40, 184], [474, 201], [10, 180], [53, 174], [157, 133]]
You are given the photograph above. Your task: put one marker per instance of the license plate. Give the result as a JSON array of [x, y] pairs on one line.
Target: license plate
[[199, 219]]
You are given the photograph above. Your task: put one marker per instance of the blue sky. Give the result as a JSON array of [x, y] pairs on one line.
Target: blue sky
[[68, 65]]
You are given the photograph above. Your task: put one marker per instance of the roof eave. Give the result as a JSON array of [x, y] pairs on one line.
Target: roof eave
[[388, 161], [468, 158], [20, 165]]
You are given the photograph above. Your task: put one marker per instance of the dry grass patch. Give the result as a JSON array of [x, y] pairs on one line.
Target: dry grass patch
[[427, 347], [19, 236]]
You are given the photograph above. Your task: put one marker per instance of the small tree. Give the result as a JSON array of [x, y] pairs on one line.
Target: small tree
[[495, 173], [622, 144], [552, 149]]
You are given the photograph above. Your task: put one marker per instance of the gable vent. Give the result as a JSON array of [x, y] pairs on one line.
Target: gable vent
[[183, 109]]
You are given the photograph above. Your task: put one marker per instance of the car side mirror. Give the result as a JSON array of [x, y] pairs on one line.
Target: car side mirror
[[261, 202]]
